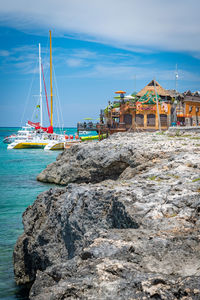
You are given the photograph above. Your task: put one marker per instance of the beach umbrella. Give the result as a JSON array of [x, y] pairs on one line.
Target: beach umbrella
[[120, 92]]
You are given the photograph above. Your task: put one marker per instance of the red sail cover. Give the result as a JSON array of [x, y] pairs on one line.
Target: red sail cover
[[37, 126], [44, 128], [50, 129], [34, 124]]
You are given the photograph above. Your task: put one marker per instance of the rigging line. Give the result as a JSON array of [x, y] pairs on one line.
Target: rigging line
[[45, 71], [35, 106], [29, 92], [57, 94], [45, 51], [58, 117], [45, 60], [34, 112], [57, 109], [46, 95], [59, 103]]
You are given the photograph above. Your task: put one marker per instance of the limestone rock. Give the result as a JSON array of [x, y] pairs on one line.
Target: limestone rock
[[126, 228]]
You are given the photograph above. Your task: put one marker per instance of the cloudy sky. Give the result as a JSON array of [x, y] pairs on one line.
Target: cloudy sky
[[98, 47]]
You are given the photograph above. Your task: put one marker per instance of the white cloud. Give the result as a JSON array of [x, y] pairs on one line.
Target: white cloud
[[119, 66], [83, 53], [132, 24], [23, 59], [196, 55], [72, 62], [4, 53], [80, 57], [140, 72]]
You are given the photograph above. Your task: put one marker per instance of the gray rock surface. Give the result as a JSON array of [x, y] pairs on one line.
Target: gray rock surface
[[126, 232]]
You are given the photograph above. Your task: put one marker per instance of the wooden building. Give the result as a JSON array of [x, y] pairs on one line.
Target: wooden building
[[147, 117], [188, 110], [141, 112]]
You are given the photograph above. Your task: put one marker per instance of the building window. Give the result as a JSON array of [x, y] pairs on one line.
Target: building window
[[151, 120], [163, 120], [128, 119], [139, 119]]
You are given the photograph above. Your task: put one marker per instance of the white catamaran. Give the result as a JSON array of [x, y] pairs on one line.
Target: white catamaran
[[34, 135]]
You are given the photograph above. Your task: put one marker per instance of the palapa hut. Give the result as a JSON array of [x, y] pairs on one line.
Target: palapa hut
[[164, 94], [143, 110], [146, 116]]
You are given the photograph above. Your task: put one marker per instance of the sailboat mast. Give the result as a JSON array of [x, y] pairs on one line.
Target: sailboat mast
[[40, 62], [51, 79]]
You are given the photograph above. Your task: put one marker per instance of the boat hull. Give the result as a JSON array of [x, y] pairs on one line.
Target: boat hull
[[27, 145], [71, 143], [93, 137], [55, 146]]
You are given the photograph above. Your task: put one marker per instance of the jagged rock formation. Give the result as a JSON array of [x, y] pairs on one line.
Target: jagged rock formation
[[127, 232]]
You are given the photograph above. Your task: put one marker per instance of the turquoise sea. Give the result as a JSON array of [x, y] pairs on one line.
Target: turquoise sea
[[18, 189]]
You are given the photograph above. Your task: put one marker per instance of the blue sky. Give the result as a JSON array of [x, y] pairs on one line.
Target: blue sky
[[98, 47]]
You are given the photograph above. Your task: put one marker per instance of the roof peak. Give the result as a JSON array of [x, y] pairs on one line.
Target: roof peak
[[151, 86], [153, 83]]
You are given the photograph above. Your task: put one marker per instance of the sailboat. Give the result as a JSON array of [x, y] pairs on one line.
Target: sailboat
[[39, 136]]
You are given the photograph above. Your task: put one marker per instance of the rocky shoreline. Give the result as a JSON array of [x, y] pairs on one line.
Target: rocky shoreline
[[123, 225]]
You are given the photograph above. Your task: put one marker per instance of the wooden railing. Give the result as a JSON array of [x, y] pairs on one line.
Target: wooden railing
[[99, 127], [86, 126]]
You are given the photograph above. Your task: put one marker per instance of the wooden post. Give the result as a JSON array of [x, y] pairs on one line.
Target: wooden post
[[99, 131], [158, 114]]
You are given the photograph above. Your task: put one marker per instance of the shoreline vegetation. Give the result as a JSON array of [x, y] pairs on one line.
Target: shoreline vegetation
[[124, 223]]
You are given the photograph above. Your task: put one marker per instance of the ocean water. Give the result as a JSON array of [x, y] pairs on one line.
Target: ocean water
[[18, 189]]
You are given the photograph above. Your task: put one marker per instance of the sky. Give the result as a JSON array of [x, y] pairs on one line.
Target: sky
[[99, 47]]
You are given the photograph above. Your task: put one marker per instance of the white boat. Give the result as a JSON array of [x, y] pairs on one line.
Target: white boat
[[84, 132], [21, 134], [9, 139], [39, 140], [37, 136], [36, 140]]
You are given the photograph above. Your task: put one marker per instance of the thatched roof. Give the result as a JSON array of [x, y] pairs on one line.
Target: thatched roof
[[174, 94], [150, 87], [189, 93]]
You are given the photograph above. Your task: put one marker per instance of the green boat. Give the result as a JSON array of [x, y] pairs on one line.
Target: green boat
[[93, 137]]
